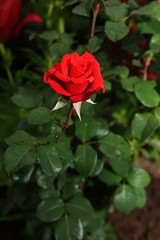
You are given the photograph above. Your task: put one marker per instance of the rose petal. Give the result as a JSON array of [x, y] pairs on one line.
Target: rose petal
[[62, 77], [75, 89], [98, 80], [48, 74], [78, 67], [30, 17], [58, 88], [65, 63], [88, 56], [82, 80], [80, 97], [9, 13]]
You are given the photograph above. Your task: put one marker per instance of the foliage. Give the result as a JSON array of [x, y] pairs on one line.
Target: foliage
[[63, 190]]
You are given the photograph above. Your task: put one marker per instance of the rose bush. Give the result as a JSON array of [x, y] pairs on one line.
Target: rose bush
[[76, 77], [9, 15], [61, 178]]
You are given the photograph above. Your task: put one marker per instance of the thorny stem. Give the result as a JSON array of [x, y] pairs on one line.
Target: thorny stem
[[67, 121], [95, 13]]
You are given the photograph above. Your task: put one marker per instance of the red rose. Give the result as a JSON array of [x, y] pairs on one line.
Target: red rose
[[9, 15], [76, 77]]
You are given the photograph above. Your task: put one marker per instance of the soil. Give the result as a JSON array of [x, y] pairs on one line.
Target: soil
[[141, 224]]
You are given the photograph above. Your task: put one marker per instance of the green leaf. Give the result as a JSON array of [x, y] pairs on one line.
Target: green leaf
[[24, 174], [98, 168], [141, 197], [143, 125], [69, 228], [80, 10], [48, 193], [95, 42], [39, 115], [58, 50], [115, 13], [26, 97], [43, 180], [116, 30], [17, 157], [81, 208], [114, 146], [129, 83], [49, 160], [120, 166], [125, 199], [21, 137], [85, 159], [157, 113], [50, 210], [151, 27], [49, 35], [70, 189], [83, 9], [138, 178], [146, 94], [151, 10], [155, 42], [109, 177], [85, 129]]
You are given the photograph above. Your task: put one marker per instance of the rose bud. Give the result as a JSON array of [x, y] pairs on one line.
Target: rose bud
[[9, 15], [76, 78]]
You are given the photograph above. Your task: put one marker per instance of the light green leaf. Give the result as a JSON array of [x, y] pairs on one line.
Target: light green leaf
[[143, 125], [141, 197], [155, 42], [125, 199], [109, 177], [138, 178], [129, 83], [146, 94]]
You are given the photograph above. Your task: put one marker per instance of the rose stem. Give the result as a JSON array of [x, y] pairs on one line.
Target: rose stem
[[95, 13], [147, 63], [67, 121]]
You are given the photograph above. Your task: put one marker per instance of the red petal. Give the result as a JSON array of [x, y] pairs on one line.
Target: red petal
[[9, 13], [30, 17], [75, 89], [88, 56], [80, 97], [65, 62], [58, 88], [48, 74], [98, 80]]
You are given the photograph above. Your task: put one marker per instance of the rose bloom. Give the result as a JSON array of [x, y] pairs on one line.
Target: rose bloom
[[9, 15], [76, 78]]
